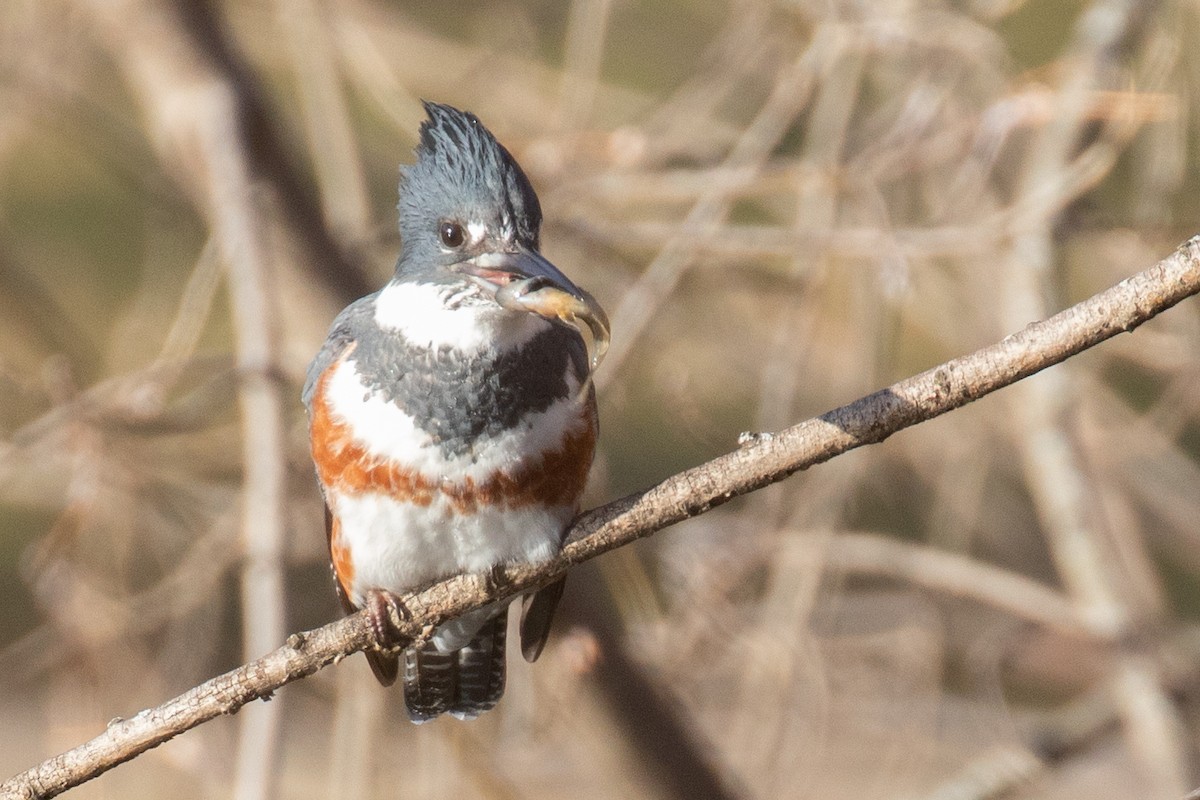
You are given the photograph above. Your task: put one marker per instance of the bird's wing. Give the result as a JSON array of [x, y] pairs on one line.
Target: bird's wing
[[341, 335]]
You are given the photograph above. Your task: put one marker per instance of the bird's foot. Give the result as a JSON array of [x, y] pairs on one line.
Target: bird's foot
[[496, 579], [389, 620]]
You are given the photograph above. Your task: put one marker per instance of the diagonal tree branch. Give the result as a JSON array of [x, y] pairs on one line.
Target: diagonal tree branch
[[762, 460]]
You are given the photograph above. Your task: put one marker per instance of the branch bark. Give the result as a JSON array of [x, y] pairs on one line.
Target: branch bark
[[764, 459]]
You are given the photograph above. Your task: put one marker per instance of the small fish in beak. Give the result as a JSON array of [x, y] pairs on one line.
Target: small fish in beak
[[523, 280], [540, 295]]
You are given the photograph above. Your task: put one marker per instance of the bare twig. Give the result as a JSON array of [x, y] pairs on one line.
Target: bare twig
[[199, 38], [587, 24], [195, 112], [956, 575], [994, 773], [637, 306], [331, 141], [765, 459], [235, 221], [1058, 478]]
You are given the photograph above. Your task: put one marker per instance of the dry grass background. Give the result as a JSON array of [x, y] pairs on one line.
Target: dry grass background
[[783, 206]]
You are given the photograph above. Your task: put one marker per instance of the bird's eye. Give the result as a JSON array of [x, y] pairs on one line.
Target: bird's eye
[[451, 233]]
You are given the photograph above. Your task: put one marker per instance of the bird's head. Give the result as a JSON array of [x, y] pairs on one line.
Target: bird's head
[[469, 220], [467, 210]]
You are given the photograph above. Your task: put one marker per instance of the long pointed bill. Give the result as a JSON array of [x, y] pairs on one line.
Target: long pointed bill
[[525, 281]]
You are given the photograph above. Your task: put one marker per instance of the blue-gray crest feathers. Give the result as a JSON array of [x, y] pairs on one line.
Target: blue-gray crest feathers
[[462, 170]]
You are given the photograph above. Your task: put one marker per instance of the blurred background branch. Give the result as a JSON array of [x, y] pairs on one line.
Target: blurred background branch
[[195, 114], [784, 204]]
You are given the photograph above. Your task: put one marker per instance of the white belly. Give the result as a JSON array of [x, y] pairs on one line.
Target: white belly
[[400, 546]]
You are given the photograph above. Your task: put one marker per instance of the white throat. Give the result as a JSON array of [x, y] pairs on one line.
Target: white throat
[[435, 316]]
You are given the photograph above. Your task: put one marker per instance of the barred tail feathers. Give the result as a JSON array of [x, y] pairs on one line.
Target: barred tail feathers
[[463, 683]]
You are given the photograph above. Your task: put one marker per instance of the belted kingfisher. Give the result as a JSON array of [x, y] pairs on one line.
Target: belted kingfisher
[[452, 415]]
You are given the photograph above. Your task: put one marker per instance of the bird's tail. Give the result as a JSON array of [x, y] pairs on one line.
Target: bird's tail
[[463, 683]]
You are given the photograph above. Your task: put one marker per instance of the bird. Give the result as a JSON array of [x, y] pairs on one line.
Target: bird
[[452, 416]]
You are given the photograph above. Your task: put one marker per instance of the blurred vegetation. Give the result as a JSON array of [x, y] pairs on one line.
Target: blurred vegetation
[[783, 206]]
